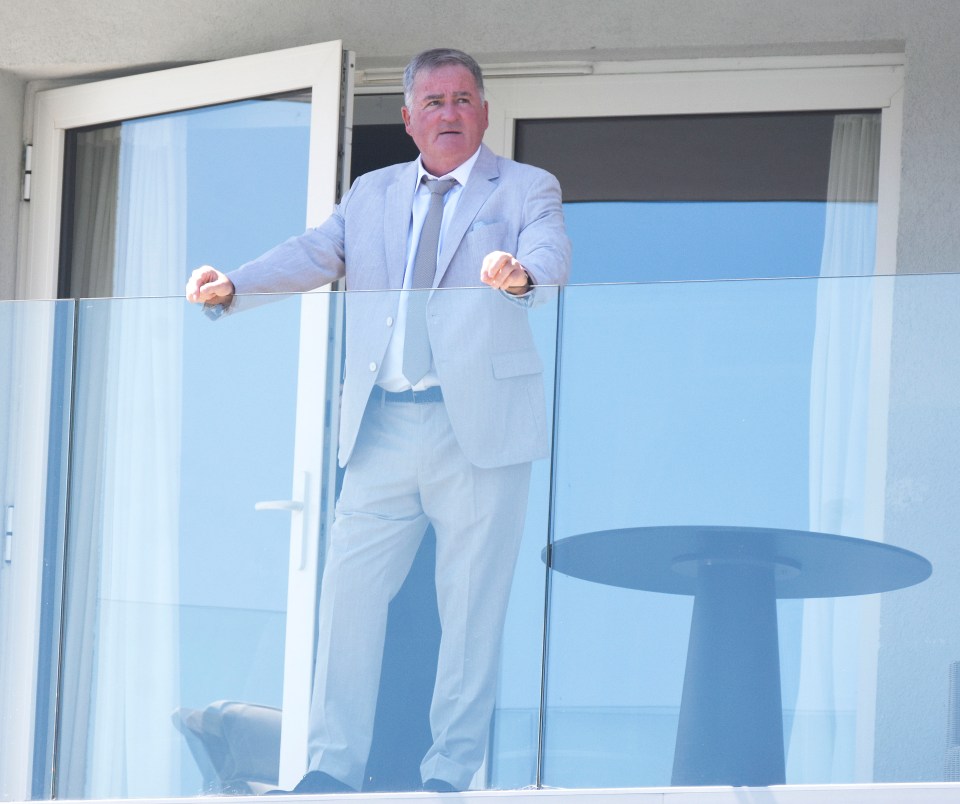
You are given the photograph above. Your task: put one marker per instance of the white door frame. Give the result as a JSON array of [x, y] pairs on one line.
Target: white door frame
[[721, 86], [316, 67]]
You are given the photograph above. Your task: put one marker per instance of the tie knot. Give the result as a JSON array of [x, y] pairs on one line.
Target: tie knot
[[439, 186]]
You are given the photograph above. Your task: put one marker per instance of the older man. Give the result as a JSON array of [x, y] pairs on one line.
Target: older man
[[442, 409]]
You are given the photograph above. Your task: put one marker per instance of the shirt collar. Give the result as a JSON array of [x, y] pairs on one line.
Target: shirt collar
[[460, 173]]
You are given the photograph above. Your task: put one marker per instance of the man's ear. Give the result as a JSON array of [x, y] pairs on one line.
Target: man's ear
[[405, 114]]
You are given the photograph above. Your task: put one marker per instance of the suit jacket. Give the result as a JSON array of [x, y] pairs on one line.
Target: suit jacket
[[483, 351]]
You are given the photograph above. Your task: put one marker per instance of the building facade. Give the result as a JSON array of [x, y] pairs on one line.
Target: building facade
[[814, 144]]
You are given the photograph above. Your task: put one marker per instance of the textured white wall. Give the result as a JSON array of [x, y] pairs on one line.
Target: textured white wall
[[55, 36], [46, 36]]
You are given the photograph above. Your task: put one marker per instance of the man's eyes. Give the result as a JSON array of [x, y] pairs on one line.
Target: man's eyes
[[437, 102]]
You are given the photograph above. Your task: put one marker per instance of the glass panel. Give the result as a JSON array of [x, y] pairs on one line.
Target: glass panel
[[708, 196], [686, 405], [458, 702], [514, 749], [796, 436], [35, 385], [916, 730], [146, 200], [175, 587], [742, 472]]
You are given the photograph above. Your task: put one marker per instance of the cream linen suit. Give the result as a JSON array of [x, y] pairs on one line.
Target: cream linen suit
[[473, 485]]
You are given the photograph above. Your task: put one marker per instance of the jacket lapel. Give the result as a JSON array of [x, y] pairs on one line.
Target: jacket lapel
[[396, 223], [481, 183]]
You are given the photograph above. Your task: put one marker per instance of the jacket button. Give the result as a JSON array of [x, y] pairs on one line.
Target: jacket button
[[389, 320], [373, 367]]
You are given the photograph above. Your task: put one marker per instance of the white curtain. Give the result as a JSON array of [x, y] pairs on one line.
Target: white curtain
[[91, 268], [134, 751], [821, 742]]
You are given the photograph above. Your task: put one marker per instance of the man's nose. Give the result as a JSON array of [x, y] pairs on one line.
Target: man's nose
[[448, 111]]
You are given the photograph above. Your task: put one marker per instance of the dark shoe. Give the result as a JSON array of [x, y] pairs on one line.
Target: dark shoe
[[320, 782], [315, 782], [439, 786]]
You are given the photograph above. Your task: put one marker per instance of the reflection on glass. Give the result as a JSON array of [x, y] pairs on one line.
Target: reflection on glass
[[146, 200], [655, 242], [415, 463], [175, 588], [766, 406], [195, 613], [711, 197], [725, 196], [175, 613], [918, 638], [715, 404], [688, 406], [35, 387]]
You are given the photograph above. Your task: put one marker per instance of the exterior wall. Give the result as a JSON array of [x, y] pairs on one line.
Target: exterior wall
[[49, 38], [929, 197], [922, 509], [11, 156]]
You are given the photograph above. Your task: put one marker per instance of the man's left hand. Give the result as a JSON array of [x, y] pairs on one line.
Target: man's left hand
[[502, 271]]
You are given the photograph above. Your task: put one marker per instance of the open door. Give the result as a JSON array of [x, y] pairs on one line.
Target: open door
[[174, 598]]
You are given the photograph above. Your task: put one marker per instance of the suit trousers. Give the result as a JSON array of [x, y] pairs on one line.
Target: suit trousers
[[407, 471]]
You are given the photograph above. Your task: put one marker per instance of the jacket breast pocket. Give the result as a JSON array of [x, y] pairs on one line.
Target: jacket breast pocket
[[486, 237]]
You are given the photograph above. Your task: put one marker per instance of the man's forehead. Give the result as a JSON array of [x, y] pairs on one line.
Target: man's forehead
[[453, 72]]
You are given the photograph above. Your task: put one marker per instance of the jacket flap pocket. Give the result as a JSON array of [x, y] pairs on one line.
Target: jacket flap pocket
[[516, 364]]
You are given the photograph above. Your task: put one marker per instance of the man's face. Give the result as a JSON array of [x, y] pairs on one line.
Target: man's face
[[446, 117]]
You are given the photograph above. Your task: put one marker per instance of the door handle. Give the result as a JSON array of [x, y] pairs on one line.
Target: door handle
[[278, 505], [298, 530]]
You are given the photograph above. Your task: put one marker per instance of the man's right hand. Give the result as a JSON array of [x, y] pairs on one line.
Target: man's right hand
[[208, 286]]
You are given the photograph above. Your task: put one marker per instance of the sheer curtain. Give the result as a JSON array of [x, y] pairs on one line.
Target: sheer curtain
[[821, 742], [135, 750], [122, 618], [95, 202]]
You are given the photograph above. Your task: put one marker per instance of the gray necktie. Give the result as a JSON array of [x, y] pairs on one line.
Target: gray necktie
[[416, 342]]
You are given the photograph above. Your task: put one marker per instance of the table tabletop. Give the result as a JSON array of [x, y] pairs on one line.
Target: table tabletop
[[668, 558]]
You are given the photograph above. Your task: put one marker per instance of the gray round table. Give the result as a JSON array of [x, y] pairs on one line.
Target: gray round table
[[731, 722]]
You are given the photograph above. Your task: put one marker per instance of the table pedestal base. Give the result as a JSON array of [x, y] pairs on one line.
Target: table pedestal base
[[731, 721]]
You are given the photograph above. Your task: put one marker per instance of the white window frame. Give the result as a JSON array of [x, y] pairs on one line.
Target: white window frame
[[720, 86]]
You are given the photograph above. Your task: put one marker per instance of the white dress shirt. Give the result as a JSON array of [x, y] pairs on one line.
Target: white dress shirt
[[391, 376]]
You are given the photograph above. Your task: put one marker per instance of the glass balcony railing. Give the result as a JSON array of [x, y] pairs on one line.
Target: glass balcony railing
[[731, 561]]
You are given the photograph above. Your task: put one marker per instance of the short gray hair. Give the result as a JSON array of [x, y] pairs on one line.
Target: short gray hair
[[433, 59]]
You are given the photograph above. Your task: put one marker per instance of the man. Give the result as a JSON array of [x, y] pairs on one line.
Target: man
[[442, 410]]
